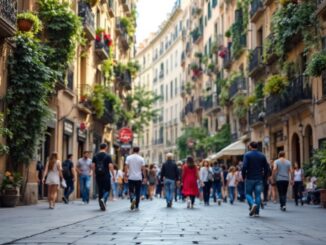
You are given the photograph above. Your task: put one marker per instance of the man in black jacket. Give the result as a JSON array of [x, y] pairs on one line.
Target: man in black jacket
[[170, 174]]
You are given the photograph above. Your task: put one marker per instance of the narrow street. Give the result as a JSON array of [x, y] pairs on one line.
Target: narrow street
[[155, 224]]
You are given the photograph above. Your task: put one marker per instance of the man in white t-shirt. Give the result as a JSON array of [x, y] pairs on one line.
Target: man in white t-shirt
[[135, 165]]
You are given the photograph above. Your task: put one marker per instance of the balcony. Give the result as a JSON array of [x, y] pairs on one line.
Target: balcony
[[8, 13], [155, 80], [234, 137], [321, 6], [271, 56], [102, 50], [183, 59], [227, 60], [256, 115], [126, 5], [159, 141], [108, 116], [118, 26], [124, 79], [124, 40], [111, 8], [297, 94], [199, 104], [188, 48], [197, 34], [256, 10], [85, 12], [238, 86], [189, 108], [84, 104], [161, 75], [256, 61]]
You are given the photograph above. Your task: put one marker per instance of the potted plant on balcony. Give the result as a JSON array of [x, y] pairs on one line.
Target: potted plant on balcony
[[240, 109], [317, 64], [275, 84], [319, 170], [29, 22], [223, 52], [92, 3], [10, 189]]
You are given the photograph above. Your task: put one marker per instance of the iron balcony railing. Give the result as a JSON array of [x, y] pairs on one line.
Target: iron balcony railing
[[158, 141], [234, 137], [8, 17], [227, 60], [256, 58], [237, 86], [189, 108], [88, 18], [161, 75], [197, 33], [256, 114], [102, 49], [299, 89], [111, 8], [256, 5]]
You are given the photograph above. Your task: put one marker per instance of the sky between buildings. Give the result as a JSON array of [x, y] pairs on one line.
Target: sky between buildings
[[151, 13]]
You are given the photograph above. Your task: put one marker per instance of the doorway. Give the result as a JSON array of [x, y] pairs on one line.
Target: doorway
[[296, 149]]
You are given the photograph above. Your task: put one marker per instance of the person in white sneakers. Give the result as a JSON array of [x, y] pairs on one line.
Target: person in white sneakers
[[135, 166]]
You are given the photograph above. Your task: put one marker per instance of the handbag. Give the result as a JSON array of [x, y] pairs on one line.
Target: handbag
[[63, 183]]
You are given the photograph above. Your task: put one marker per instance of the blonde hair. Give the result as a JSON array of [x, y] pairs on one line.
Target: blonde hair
[[169, 156], [232, 169]]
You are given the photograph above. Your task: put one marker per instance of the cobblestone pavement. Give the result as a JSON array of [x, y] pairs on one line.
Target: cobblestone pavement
[[155, 224]]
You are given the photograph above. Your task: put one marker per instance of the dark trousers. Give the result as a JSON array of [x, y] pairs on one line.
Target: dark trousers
[[217, 190], [69, 189], [297, 189], [134, 190], [192, 199], [241, 191], [282, 187], [104, 187], [207, 190]]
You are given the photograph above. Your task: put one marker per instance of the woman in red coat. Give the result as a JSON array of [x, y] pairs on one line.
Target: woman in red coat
[[189, 181]]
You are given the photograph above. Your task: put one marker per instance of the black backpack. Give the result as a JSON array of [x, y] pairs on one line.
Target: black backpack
[[217, 174], [100, 166], [66, 169]]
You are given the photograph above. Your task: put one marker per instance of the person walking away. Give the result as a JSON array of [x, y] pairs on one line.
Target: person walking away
[[217, 183], [102, 166], [189, 181], [272, 180], [282, 170], [178, 193], [232, 183], [84, 169], [266, 187], [135, 167], [224, 183], [119, 182], [254, 168], [151, 181], [206, 179], [125, 182], [53, 174], [169, 175], [240, 184], [68, 173], [144, 185], [40, 169], [114, 190], [298, 177]]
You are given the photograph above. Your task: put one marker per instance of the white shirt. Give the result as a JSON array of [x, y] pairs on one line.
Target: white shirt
[[231, 179], [135, 164], [298, 175], [203, 173]]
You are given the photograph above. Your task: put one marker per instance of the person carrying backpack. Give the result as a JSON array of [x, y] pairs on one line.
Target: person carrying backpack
[[217, 183], [68, 173], [102, 165]]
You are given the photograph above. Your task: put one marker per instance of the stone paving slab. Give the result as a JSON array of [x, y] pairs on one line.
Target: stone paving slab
[[155, 224]]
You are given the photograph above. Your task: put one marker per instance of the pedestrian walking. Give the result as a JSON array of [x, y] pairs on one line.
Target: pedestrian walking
[[298, 177], [135, 167], [240, 184], [272, 180], [189, 181], [119, 182], [40, 169], [53, 174], [102, 165], [178, 187], [266, 187], [151, 181], [217, 183], [84, 169], [225, 183], [254, 170], [206, 179], [125, 182], [144, 185], [232, 183], [114, 190], [68, 173], [170, 175], [282, 170]]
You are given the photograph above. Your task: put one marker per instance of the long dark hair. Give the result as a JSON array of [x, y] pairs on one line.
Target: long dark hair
[[53, 160], [190, 162]]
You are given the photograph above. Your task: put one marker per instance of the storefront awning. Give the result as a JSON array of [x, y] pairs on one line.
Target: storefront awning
[[235, 149]]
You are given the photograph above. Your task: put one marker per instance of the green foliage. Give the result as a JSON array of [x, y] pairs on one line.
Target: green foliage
[[228, 33], [243, 5], [4, 132], [317, 64], [294, 20], [30, 83], [107, 68], [133, 67], [196, 134], [63, 30], [224, 86], [37, 24], [275, 84], [11, 180], [319, 166], [240, 108], [216, 142], [129, 24]]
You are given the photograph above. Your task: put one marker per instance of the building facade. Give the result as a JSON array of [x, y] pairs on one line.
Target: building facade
[[74, 126]]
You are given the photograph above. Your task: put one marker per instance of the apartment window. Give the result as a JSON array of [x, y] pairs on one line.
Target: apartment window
[[176, 86], [167, 66], [180, 25], [167, 92], [176, 58], [171, 59], [171, 89], [209, 11], [162, 92], [214, 3]]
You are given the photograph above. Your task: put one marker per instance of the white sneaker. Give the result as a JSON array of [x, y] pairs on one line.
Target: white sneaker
[[188, 203], [253, 210]]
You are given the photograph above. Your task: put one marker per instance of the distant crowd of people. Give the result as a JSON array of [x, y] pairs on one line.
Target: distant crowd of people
[[253, 179]]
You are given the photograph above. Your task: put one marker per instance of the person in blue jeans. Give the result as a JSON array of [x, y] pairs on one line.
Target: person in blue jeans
[[84, 169], [255, 169], [217, 183], [169, 174]]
